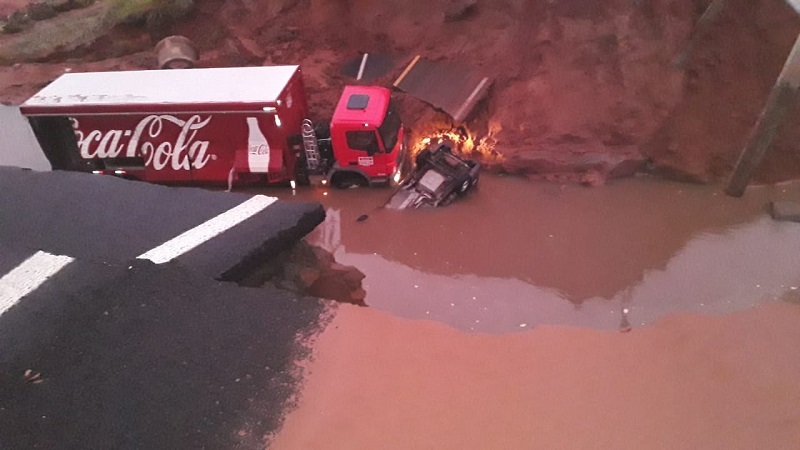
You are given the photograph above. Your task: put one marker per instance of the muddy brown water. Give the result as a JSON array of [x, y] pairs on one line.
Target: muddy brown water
[[515, 254]]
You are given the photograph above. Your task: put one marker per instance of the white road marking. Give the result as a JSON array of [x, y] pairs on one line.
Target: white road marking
[[28, 276], [207, 230], [363, 64]]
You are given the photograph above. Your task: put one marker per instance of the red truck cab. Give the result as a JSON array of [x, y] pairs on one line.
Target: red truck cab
[[367, 137]]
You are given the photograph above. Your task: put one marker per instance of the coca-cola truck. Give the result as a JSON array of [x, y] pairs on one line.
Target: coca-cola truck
[[215, 125]]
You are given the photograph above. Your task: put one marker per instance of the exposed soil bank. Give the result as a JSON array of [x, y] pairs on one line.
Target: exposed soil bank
[[728, 77], [578, 87], [688, 382]]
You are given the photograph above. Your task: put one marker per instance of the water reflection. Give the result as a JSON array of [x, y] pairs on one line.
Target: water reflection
[[714, 273]]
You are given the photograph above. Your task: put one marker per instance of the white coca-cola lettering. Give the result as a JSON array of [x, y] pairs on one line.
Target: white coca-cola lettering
[[259, 149], [183, 154]]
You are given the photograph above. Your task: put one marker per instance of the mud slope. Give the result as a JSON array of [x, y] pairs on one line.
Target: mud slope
[[578, 85], [728, 79]]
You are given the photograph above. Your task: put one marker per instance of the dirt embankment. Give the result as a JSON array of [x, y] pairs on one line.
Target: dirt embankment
[[579, 86], [727, 80]]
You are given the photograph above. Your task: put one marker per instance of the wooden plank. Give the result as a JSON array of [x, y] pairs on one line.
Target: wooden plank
[[779, 103]]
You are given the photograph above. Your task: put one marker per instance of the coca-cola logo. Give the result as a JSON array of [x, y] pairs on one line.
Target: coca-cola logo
[[259, 149], [146, 141]]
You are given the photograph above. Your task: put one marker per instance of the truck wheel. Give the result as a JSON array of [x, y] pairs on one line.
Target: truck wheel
[[348, 180], [303, 179], [464, 186], [323, 130]]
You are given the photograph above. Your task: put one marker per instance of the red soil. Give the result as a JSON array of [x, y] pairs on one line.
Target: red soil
[[578, 86]]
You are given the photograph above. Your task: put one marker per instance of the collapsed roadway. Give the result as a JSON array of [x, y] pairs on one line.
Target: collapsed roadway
[[117, 330]]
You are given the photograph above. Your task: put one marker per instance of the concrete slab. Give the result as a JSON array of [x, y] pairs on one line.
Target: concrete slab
[[785, 211], [110, 220], [447, 85]]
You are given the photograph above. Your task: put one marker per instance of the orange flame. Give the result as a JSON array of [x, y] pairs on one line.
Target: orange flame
[[464, 142]]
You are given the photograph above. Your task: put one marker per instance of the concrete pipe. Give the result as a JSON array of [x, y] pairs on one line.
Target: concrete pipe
[[176, 52]]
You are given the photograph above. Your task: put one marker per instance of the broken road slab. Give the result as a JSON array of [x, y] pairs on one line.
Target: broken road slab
[[447, 85], [110, 220], [785, 211], [368, 67], [105, 348], [149, 356]]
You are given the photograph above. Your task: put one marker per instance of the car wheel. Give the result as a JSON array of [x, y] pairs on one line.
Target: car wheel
[[449, 199], [464, 186]]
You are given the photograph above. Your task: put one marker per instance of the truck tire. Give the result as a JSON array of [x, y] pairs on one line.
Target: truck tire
[[323, 130], [348, 180]]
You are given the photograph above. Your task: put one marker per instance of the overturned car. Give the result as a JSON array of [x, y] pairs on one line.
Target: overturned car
[[439, 177]]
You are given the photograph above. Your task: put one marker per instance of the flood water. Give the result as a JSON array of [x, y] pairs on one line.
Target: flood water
[[515, 254]]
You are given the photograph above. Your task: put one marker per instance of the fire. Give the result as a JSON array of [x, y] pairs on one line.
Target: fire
[[464, 142]]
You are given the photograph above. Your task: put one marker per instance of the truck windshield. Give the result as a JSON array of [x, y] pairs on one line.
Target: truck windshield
[[390, 127]]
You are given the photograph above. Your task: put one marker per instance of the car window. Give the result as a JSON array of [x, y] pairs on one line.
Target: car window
[[390, 127], [363, 140]]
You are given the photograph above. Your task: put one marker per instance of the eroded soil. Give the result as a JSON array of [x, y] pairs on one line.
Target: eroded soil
[[577, 86]]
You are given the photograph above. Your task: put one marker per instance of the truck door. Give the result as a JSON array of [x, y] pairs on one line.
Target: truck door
[[58, 142], [365, 152]]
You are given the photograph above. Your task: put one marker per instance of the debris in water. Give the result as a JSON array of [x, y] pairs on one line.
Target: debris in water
[[785, 211], [625, 325], [362, 218]]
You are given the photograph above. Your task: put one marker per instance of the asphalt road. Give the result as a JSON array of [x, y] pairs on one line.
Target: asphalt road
[[110, 220], [134, 354]]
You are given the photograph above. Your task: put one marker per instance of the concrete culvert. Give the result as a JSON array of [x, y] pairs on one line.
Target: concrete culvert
[[176, 52]]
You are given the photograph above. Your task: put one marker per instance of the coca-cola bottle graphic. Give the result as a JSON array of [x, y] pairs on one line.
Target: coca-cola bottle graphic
[[258, 148]]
